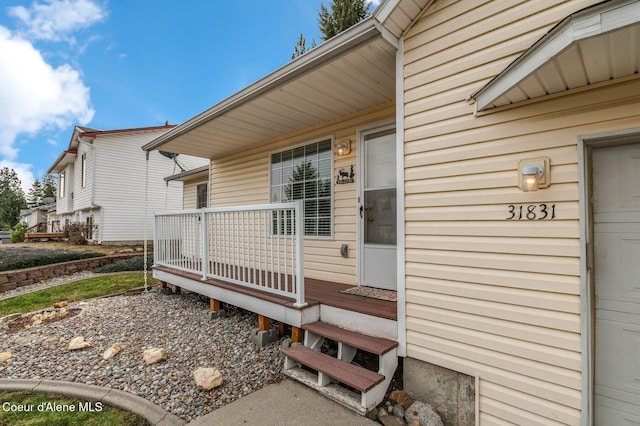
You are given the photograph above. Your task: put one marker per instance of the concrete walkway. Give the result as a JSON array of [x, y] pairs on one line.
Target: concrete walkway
[[284, 403]]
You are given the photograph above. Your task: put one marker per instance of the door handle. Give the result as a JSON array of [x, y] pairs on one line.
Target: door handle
[[361, 210]]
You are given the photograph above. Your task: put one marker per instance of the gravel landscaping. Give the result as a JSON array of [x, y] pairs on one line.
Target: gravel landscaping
[[178, 323]]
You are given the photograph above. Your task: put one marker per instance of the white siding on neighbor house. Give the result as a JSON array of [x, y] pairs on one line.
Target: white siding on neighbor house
[[242, 178], [82, 194], [494, 298], [65, 204], [120, 172]]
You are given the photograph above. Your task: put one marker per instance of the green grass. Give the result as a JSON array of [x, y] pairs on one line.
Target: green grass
[[44, 414], [72, 292]]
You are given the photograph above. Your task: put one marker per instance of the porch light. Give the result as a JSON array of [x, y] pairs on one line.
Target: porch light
[[343, 147], [532, 174]]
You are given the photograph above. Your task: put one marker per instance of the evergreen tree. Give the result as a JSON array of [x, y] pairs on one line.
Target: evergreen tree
[[301, 47], [11, 198], [341, 15], [35, 195], [49, 186]]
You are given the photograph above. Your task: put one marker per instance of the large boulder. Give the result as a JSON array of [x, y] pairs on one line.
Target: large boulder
[[207, 378], [423, 413]]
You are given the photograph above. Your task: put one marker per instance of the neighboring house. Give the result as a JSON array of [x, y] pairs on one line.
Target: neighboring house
[[517, 298], [37, 217], [101, 182], [195, 192]]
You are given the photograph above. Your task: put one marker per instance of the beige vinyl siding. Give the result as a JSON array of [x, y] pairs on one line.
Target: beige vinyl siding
[[494, 298], [189, 196], [242, 178]]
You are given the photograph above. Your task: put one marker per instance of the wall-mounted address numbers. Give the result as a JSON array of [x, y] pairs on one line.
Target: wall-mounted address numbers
[[531, 212]]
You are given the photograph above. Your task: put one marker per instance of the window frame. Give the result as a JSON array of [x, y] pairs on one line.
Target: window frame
[[61, 184], [331, 139], [206, 200], [83, 170]]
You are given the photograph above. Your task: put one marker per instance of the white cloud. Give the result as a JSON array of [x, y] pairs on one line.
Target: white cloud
[[56, 20], [23, 171], [35, 96]]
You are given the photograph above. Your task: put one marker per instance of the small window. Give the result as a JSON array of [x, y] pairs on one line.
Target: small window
[[61, 185], [304, 173], [202, 199], [83, 170]]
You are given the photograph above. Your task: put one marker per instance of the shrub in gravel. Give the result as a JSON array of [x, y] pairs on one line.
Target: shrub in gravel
[[127, 265], [12, 258]]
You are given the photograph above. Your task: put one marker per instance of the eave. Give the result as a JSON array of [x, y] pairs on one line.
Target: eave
[[350, 73], [597, 44], [65, 158], [198, 172]]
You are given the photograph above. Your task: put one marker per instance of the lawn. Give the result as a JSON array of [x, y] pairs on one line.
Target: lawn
[[72, 292], [45, 410]]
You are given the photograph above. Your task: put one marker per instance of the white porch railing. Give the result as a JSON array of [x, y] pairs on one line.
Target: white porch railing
[[258, 246]]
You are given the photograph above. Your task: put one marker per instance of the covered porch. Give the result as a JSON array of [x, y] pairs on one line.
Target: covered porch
[[253, 257]]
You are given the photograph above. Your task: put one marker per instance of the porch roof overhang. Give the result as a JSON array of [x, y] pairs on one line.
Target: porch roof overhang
[[352, 72], [594, 45], [198, 172]]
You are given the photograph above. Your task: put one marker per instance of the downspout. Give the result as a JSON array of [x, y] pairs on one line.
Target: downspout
[[401, 270]]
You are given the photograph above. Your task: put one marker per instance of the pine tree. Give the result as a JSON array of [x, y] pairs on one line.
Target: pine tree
[[341, 15], [35, 195], [48, 186], [11, 198]]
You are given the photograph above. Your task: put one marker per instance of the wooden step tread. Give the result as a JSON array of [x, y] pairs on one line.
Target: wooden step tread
[[352, 375], [374, 345]]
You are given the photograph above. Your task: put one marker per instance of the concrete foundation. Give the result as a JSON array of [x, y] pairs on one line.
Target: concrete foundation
[[264, 337], [450, 393], [217, 314]]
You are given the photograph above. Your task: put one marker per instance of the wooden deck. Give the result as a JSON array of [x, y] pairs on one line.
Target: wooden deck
[[316, 292], [41, 235]]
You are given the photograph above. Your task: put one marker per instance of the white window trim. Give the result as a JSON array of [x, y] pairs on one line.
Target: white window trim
[[331, 139], [83, 170], [62, 183], [207, 194]]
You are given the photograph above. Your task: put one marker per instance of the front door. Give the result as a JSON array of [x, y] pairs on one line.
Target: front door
[[616, 231], [377, 210]]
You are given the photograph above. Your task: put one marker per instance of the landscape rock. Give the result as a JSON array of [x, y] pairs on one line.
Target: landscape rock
[[423, 413], [78, 343], [401, 397], [59, 305], [207, 378], [398, 410], [50, 341], [112, 351], [154, 355], [4, 356], [414, 422], [392, 421], [63, 312]]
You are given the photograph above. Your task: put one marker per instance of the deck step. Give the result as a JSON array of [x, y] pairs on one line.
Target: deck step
[[351, 375], [374, 345]]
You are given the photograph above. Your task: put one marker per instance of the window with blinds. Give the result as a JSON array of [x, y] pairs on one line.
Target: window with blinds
[[304, 173], [202, 196]]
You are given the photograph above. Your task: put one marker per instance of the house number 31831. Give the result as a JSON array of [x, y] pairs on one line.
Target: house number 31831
[[531, 212]]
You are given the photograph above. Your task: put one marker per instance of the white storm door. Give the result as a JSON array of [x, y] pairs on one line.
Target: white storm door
[[616, 220], [377, 211]]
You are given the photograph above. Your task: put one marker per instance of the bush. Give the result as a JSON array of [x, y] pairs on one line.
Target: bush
[[18, 231], [128, 265], [22, 257], [78, 232]]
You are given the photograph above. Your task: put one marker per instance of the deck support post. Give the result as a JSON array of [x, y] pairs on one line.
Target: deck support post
[[281, 329], [297, 334], [164, 288], [264, 334], [264, 323], [215, 309]]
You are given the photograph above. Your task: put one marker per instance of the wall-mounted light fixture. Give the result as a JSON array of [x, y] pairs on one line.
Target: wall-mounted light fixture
[[343, 147], [533, 174]]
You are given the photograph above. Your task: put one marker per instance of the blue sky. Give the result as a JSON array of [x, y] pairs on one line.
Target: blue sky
[[114, 64]]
